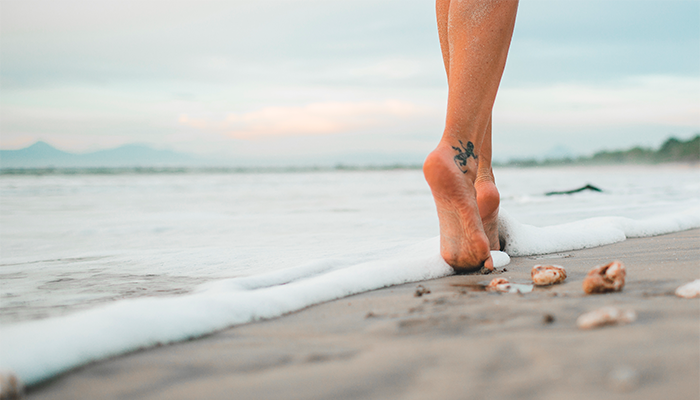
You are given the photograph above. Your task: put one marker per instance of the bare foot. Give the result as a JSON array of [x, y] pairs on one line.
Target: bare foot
[[488, 200], [463, 243]]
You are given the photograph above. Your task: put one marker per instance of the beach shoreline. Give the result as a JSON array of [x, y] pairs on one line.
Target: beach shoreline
[[453, 342]]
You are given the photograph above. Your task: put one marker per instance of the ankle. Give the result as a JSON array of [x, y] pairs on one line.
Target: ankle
[[463, 155], [485, 175]]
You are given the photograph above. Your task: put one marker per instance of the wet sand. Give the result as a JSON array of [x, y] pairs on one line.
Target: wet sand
[[452, 343]]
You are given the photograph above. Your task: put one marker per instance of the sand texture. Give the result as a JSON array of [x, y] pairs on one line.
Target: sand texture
[[455, 342]]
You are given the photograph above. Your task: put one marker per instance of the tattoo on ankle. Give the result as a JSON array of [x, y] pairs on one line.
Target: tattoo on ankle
[[463, 155]]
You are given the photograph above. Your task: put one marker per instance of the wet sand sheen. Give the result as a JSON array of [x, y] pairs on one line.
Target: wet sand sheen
[[450, 343]]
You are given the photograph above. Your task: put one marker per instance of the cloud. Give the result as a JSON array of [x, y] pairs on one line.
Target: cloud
[[645, 100], [90, 75], [311, 119]]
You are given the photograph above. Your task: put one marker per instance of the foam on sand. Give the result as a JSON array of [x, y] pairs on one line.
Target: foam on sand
[[525, 240], [40, 349]]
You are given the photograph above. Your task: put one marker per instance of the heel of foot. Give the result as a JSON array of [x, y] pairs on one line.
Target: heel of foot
[[463, 243]]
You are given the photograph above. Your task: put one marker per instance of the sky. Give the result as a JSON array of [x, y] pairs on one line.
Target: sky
[[337, 81]]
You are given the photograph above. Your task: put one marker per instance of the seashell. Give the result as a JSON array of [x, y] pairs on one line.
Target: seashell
[[503, 285], [10, 386], [605, 278], [689, 290], [543, 275], [499, 285], [605, 316], [496, 282]]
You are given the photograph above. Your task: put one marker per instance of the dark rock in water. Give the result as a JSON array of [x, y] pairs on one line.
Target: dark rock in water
[[581, 189]]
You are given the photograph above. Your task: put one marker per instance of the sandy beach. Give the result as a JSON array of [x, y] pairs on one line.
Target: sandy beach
[[452, 343]]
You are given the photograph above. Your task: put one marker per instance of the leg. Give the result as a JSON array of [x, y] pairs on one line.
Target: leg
[[475, 36], [487, 196]]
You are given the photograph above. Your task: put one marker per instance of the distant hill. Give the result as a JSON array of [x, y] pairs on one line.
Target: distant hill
[[672, 151], [43, 155]]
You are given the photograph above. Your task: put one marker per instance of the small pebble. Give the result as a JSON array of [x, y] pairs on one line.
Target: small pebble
[[421, 290]]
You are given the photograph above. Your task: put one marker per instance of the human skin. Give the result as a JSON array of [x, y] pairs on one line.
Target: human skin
[[474, 37]]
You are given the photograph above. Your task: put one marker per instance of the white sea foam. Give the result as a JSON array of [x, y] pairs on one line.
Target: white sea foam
[[523, 240], [40, 349]]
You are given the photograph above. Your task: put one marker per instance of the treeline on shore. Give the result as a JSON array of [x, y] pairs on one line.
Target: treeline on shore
[[672, 151]]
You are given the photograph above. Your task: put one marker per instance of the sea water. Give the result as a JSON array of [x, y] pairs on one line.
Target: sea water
[[112, 262]]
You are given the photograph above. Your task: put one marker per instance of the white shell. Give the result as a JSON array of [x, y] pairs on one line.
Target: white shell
[[520, 288], [605, 316], [689, 290]]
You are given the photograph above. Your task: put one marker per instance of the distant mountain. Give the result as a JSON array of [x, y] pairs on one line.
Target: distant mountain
[[43, 155]]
